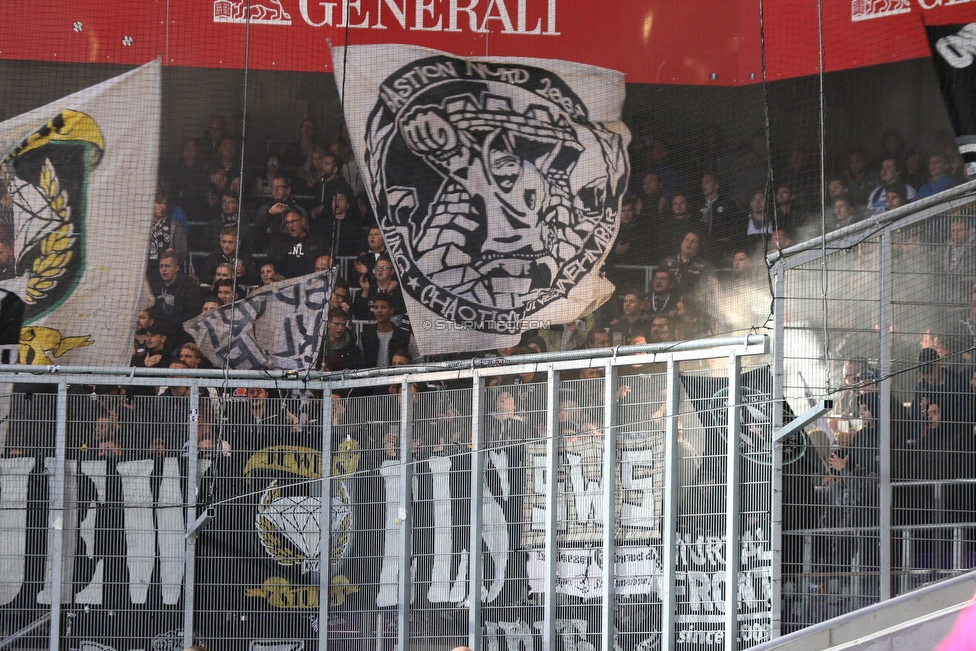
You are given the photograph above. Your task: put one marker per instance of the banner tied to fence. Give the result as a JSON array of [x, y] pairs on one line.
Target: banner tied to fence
[[496, 182]]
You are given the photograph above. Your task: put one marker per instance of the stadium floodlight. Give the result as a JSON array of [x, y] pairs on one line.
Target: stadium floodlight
[[804, 419]]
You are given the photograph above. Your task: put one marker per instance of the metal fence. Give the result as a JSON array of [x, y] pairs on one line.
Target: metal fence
[[469, 503], [880, 317], [467, 506]]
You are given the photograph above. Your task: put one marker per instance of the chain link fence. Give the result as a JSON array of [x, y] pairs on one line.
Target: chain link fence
[[880, 319], [477, 506]]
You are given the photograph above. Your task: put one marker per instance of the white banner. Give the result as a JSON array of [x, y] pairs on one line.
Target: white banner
[[78, 179], [579, 571], [278, 326], [496, 182]]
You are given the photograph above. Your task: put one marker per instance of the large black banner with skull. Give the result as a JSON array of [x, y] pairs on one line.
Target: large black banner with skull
[[496, 184]]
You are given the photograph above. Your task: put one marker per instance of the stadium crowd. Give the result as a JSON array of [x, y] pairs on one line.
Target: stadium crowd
[[700, 230], [698, 221]]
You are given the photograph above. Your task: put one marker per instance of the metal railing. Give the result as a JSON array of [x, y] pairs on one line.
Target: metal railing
[[471, 503], [875, 316]]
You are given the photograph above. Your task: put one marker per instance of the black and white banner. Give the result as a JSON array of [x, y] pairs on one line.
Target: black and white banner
[[258, 563], [257, 567], [278, 326], [496, 183], [953, 53], [123, 550], [581, 518]]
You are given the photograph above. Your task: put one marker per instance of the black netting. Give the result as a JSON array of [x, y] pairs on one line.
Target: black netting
[[300, 187]]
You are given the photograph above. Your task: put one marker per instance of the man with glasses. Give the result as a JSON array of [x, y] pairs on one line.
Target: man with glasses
[[269, 220], [340, 296], [295, 251]]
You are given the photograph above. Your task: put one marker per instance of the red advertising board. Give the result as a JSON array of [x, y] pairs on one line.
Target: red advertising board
[[702, 42]]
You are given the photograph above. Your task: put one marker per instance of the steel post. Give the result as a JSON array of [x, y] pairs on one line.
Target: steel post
[[406, 513], [609, 503], [776, 489], [190, 506], [669, 526], [476, 560], [552, 500], [56, 515], [325, 520], [732, 506], [884, 420]]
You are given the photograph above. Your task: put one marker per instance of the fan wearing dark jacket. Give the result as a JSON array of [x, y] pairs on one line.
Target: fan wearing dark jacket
[[378, 342]]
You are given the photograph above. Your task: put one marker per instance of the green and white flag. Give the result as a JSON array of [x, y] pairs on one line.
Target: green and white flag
[[78, 179]]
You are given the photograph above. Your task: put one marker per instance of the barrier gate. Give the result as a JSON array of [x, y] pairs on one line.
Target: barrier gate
[[473, 504]]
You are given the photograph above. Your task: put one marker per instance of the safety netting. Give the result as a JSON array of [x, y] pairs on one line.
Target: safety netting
[[341, 186]]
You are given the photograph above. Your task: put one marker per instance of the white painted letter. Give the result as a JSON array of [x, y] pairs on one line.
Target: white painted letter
[[441, 589], [393, 530], [67, 522], [495, 532], [96, 471], [452, 16], [586, 494], [503, 16], [140, 533], [171, 534], [400, 13], [347, 6], [520, 24], [425, 7], [958, 49], [539, 488], [14, 477], [551, 20], [642, 515], [328, 6]]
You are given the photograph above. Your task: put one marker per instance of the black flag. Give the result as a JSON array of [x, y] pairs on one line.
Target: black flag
[[954, 53]]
